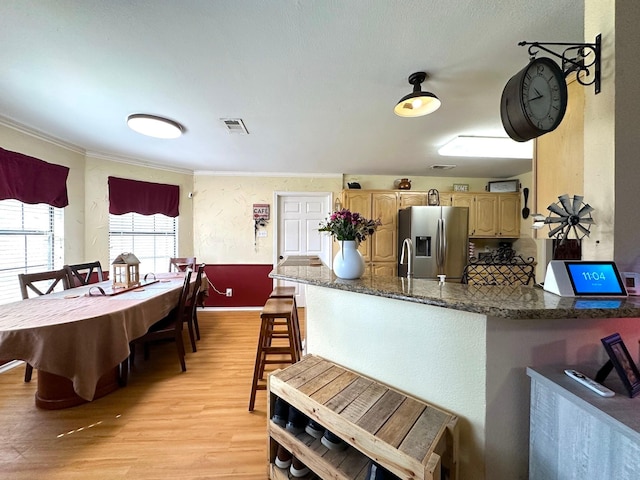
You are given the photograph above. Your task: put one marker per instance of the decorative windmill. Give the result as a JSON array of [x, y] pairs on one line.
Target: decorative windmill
[[573, 218]]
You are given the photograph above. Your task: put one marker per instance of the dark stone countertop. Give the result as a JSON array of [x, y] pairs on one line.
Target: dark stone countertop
[[514, 302]]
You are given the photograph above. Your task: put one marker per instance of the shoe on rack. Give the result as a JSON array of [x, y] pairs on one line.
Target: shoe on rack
[[283, 457], [314, 429], [296, 421], [376, 472], [280, 412], [332, 441], [298, 469]]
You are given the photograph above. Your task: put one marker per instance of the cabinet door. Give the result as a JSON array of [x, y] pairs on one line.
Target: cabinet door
[[466, 200], [509, 215], [360, 201], [446, 199], [486, 219], [384, 243], [384, 268], [411, 199]]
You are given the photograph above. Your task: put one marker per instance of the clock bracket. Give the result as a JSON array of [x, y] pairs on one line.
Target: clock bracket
[[574, 59]]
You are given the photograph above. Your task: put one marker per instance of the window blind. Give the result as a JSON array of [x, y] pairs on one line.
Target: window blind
[[31, 240], [152, 238]]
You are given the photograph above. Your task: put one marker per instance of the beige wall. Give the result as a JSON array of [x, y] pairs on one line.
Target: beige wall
[[216, 225], [96, 233], [223, 214], [74, 214], [86, 218]]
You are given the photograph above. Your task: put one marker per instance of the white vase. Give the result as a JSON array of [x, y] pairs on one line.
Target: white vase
[[348, 262]]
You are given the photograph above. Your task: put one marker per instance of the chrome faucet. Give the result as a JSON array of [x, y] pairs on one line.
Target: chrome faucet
[[407, 246]]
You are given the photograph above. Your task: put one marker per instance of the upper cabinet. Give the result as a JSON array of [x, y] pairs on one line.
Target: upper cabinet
[[558, 166], [380, 249], [491, 215]]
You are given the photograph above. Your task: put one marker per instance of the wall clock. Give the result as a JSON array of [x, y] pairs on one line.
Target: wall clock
[[534, 100]]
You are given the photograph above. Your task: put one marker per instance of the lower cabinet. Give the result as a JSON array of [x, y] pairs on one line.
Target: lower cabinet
[[408, 437]]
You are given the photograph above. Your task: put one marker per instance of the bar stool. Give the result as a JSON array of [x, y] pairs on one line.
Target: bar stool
[[290, 292], [277, 322]]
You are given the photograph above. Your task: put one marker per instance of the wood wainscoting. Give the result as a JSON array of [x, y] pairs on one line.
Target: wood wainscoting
[[163, 424], [251, 284]]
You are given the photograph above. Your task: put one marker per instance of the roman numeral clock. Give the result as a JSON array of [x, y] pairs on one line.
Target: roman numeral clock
[[534, 100]]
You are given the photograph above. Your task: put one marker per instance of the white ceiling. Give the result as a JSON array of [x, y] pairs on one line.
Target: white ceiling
[[314, 81]]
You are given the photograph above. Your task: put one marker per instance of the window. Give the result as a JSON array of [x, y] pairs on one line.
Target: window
[[31, 240], [152, 238]]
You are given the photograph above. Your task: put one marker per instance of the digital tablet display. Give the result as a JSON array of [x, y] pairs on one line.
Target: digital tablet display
[[598, 279]]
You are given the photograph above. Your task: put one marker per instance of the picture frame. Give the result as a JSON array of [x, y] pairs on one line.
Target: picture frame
[[460, 187], [504, 186], [623, 363]]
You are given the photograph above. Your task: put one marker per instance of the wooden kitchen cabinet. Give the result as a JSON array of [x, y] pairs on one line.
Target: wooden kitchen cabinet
[[411, 199], [380, 248], [491, 215], [509, 215]]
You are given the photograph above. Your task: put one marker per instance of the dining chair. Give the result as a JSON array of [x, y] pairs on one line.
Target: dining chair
[[181, 264], [169, 328], [191, 317], [41, 283], [84, 273]]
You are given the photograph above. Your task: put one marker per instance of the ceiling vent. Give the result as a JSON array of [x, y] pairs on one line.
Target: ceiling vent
[[442, 167], [235, 125]]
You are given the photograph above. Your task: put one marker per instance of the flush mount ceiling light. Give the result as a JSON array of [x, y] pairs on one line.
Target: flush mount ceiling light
[[488, 147], [154, 126], [417, 103]]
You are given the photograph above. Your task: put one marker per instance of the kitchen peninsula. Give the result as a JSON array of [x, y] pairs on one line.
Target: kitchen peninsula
[[460, 347]]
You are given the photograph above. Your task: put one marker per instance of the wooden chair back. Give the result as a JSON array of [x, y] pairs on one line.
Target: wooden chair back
[[84, 273], [181, 264], [169, 328], [43, 283]]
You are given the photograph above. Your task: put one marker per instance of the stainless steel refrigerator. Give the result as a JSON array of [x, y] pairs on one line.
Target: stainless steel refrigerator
[[440, 241]]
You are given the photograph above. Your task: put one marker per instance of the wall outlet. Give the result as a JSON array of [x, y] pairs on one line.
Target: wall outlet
[[262, 233], [229, 292]]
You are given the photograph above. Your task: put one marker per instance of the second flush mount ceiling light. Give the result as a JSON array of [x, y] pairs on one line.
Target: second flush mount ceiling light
[[417, 103], [154, 126]]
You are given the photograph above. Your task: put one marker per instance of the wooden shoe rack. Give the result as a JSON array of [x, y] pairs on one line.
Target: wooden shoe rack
[[408, 437]]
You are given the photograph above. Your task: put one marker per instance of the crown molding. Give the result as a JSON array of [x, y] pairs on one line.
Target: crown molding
[[138, 162], [32, 132], [266, 174]]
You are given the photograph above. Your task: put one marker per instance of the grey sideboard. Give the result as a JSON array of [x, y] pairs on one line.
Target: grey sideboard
[[577, 434]]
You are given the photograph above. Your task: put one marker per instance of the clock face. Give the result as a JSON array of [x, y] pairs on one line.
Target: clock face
[[541, 96], [534, 100]]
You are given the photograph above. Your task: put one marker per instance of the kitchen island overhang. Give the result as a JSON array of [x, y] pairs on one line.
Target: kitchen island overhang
[[460, 347]]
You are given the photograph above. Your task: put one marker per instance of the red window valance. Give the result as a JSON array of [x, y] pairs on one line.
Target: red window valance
[[31, 180], [146, 198]]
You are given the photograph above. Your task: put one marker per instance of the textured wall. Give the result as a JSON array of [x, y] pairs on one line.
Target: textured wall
[[223, 214]]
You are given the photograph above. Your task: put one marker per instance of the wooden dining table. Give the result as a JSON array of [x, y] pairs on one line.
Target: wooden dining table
[[77, 341]]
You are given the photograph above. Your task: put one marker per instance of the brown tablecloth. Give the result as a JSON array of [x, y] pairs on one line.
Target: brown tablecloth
[[82, 337]]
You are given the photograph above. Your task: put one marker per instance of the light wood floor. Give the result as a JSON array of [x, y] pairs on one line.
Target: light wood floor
[[164, 425]]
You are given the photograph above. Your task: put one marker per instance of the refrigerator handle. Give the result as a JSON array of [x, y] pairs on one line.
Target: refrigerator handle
[[443, 244], [439, 240]]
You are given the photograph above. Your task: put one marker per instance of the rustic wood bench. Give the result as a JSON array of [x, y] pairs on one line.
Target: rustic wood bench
[[408, 437]]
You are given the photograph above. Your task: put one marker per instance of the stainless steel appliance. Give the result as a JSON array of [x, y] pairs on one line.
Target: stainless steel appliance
[[439, 237]]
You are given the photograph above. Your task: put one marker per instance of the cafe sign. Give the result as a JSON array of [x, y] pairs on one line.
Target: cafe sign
[[261, 211]]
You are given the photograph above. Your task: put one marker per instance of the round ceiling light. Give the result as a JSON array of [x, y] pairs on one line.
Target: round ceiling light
[[154, 126]]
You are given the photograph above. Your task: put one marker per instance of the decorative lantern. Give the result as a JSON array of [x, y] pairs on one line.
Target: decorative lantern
[[126, 271]]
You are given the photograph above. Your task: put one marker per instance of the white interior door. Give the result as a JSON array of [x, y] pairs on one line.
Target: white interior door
[[299, 215]]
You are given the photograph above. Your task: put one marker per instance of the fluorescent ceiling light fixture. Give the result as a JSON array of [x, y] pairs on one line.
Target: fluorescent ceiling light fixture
[[489, 147], [154, 126]]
